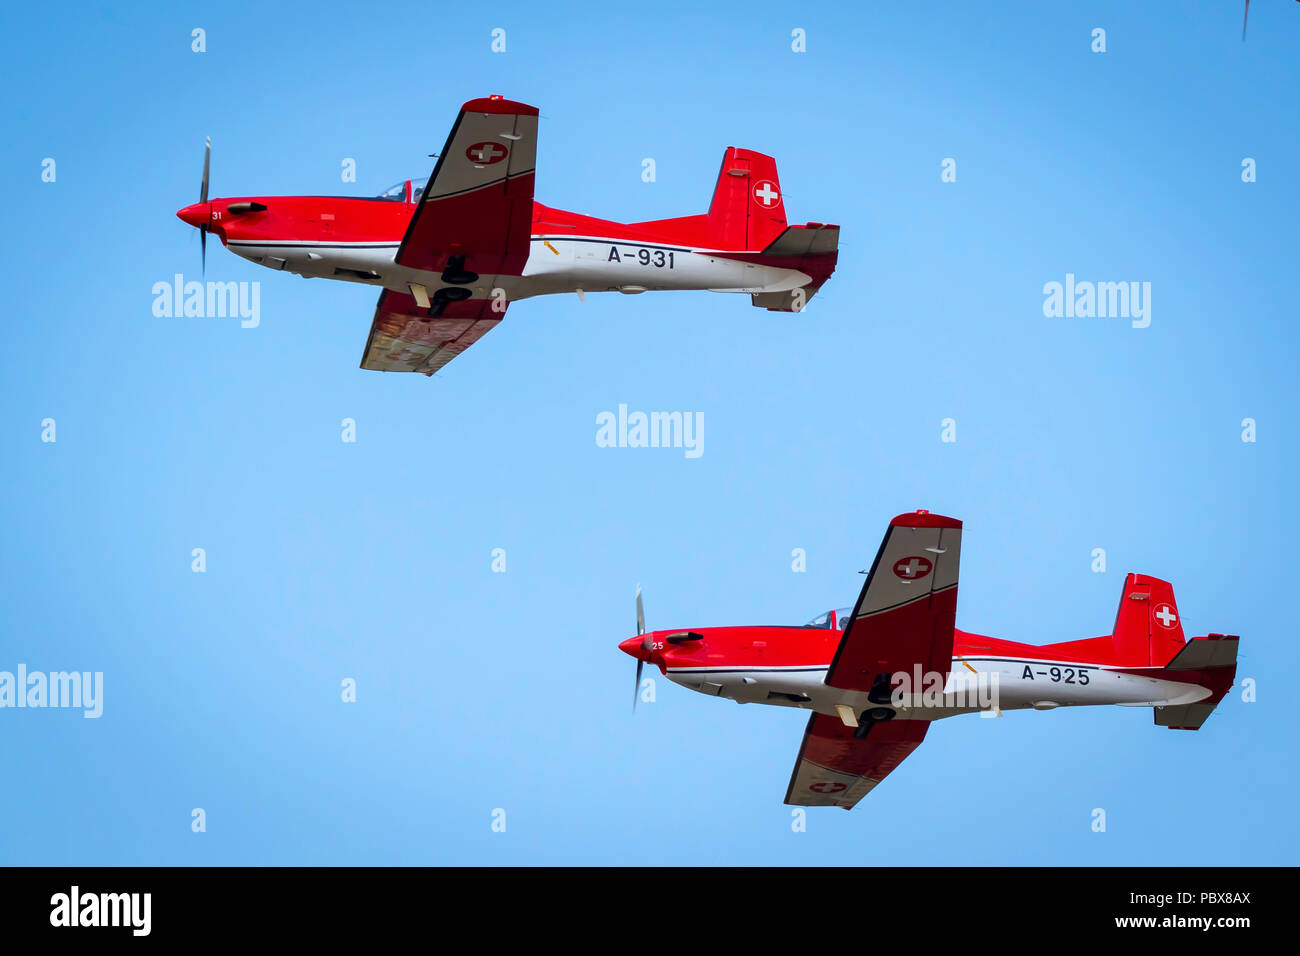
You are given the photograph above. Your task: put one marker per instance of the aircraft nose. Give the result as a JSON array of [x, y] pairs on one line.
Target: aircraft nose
[[200, 214], [633, 646]]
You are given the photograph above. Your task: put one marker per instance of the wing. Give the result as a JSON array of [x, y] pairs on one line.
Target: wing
[[837, 769], [479, 201], [404, 338], [907, 609], [472, 226], [903, 620]]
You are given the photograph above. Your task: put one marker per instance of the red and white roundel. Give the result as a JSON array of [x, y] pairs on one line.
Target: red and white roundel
[[913, 568], [828, 786], [485, 154], [767, 194], [1165, 615]]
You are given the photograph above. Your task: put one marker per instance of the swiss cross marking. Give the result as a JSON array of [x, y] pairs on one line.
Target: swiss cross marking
[[913, 568], [828, 786], [766, 194], [486, 153]]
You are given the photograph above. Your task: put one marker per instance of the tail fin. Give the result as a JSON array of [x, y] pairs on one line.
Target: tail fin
[[1148, 628], [748, 215], [747, 211], [1149, 633]]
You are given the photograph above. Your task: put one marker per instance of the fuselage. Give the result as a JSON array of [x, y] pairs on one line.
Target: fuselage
[[356, 240], [787, 666]]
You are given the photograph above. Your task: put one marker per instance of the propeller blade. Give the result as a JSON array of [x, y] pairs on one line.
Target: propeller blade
[[207, 158], [1244, 19], [203, 197], [640, 629]]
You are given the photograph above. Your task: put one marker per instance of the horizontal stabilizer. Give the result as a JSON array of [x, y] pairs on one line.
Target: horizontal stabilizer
[[792, 301], [814, 239], [1216, 650], [1183, 716], [1215, 658], [812, 249]]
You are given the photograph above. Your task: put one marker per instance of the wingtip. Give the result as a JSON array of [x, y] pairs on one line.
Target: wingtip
[[924, 519], [498, 104]]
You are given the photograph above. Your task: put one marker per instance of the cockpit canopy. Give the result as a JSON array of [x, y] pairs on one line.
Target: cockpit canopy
[[397, 191], [835, 620]]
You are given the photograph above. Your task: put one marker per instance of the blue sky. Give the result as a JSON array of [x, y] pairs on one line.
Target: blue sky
[[372, 561]]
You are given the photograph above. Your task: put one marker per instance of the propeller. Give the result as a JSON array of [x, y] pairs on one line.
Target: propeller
[[1244, 18], [203, 197], [640, 629]]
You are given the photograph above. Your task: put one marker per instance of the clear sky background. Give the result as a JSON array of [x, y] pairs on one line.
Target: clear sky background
[[372, 561]]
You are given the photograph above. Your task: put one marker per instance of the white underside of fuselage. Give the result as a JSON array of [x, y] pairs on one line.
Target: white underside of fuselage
[[990, 684], [556, 264]]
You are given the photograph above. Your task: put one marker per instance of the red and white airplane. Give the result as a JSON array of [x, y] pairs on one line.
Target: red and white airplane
[[875, 675], [452, 252]]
